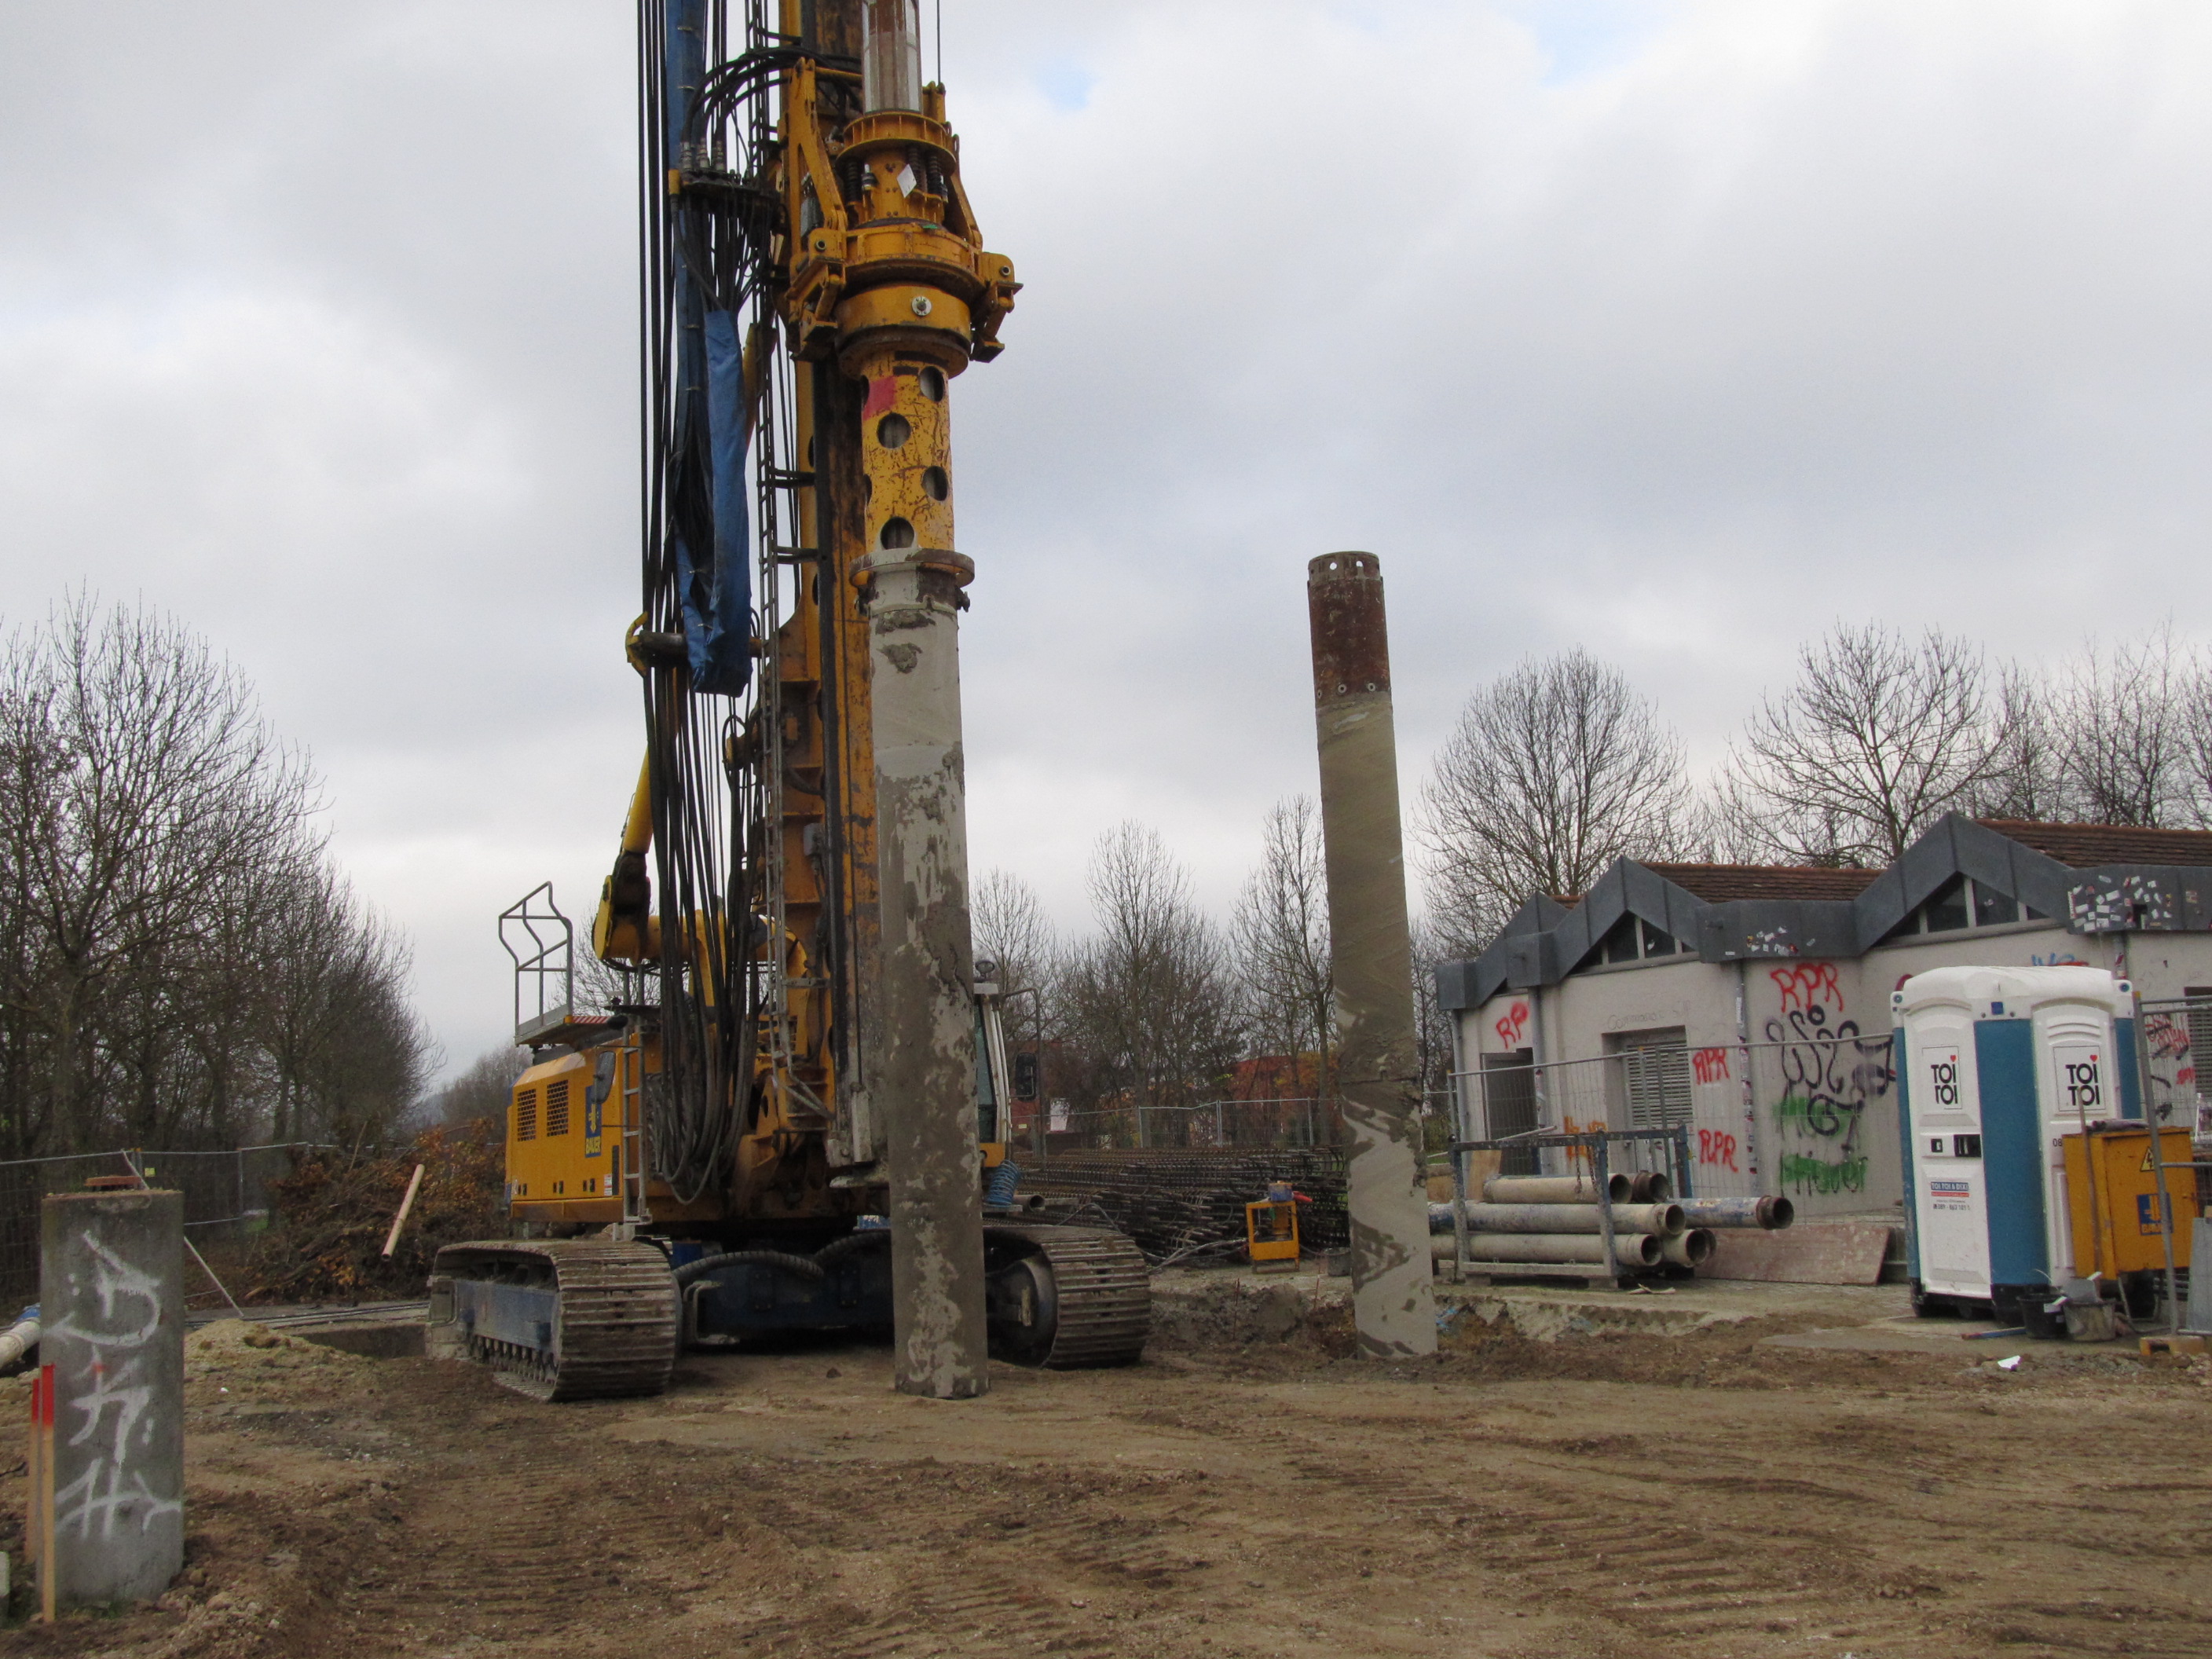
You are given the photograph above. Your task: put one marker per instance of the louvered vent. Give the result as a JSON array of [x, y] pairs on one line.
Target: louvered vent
[[557, 1107], [526, 1114]]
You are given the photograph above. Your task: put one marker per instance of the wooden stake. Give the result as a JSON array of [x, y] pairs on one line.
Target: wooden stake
[[34, 1526], [414, 1186], [49, 1568]]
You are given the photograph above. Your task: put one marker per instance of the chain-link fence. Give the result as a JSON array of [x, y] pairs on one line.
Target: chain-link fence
[[1285, 1121], [1173, 1201], [1815, 1119], [2174, 1031], [226, 1195]]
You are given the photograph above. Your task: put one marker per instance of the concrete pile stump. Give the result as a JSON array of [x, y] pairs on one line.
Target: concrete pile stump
[[111, 1295]]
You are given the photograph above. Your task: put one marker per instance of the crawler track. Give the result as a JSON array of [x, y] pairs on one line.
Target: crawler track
[[1104, 1291], [614, 1332]]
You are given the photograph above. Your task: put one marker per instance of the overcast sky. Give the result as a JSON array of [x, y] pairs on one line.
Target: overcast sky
[[1678, 330]]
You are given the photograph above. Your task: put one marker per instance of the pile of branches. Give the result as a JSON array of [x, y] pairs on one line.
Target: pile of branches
[[1168, 1200], [332, 1216]]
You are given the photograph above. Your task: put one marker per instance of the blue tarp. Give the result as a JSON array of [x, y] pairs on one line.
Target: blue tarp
[[718, 602], [717, 598]]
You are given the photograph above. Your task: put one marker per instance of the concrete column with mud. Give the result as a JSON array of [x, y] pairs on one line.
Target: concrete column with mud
[[111, 1295], [1371, 957], [926, 1083]]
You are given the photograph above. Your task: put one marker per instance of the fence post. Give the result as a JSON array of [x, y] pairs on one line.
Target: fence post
[[1750, 1095], [1601, 1172]]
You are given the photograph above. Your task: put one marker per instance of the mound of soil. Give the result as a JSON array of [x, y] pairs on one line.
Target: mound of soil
[[332, 1217], [230, 1346]]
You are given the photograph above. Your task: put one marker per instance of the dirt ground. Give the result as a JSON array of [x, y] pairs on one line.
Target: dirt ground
[[1249, 1489]]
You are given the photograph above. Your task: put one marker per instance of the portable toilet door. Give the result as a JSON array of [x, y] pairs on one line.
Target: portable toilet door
[[1947, 1209], [1996, 1064], [2085, 1062]]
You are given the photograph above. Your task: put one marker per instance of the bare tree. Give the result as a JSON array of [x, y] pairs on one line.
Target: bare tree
[[1012, 930], [2197, 736], [1432, 1024], [1881, 735], [2027, 772], [2121, 719], [349, 1054], [482, 1090], [141, 775], [1149, 998], [1554, 770], [1279, 938], [177, 954]]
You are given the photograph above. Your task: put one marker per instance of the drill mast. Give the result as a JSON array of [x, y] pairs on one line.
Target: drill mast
[[815, 280]]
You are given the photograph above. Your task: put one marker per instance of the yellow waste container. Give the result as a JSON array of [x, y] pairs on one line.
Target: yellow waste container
[[2112, 1199], [1270, 1234]]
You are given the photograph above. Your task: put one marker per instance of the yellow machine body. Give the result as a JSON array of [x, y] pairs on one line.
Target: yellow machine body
[[2111, 1200], [1271, 1234], [563, 1148]]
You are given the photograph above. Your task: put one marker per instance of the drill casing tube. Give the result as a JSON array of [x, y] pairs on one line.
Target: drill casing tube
[[927, 1081]]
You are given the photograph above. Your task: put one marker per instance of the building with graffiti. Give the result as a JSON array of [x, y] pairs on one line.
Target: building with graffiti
[[1750, 1004]]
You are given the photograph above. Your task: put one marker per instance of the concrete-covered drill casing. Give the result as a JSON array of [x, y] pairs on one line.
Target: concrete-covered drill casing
[[1371, 956], [111, 1292], [925, 1090]]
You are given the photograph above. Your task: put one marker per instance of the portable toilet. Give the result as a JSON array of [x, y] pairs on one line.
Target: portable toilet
[[1994, 1066]]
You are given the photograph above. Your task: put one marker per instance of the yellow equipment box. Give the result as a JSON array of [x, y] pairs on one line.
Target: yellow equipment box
[[2111, 1200], [1270, 1234]]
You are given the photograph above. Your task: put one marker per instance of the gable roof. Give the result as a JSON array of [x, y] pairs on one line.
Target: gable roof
[[2087, 846], [1718, 883], [2094, 879]]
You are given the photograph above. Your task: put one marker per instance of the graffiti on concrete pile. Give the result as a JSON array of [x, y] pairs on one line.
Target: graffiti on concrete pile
[[114, 1394], [1829, 1074]]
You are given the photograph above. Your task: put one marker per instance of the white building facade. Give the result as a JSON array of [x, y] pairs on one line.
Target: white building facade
[[1751, 1005]]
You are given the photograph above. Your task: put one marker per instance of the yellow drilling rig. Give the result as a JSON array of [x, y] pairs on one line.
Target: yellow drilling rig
[[753, 1135]]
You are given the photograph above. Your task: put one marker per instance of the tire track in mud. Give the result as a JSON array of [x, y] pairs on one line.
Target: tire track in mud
[[992, 1601], [1695, 1583], [1590, 1550], [1581, 1546], [524, 1554], [971, 1609]]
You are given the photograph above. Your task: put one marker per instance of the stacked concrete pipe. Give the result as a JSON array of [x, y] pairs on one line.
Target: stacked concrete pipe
[[1556, 1219], [1694, 1245], [1552, 1190], [1631, 1251], [1771, 1212], [1662, 1220]]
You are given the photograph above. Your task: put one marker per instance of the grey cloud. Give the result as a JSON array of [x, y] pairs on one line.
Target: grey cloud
[[316, 328]]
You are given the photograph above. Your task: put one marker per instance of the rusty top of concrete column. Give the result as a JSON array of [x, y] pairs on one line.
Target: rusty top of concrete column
[[1351, 644]]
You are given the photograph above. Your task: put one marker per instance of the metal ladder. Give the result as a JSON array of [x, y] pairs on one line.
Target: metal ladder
[[633, 1132]]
